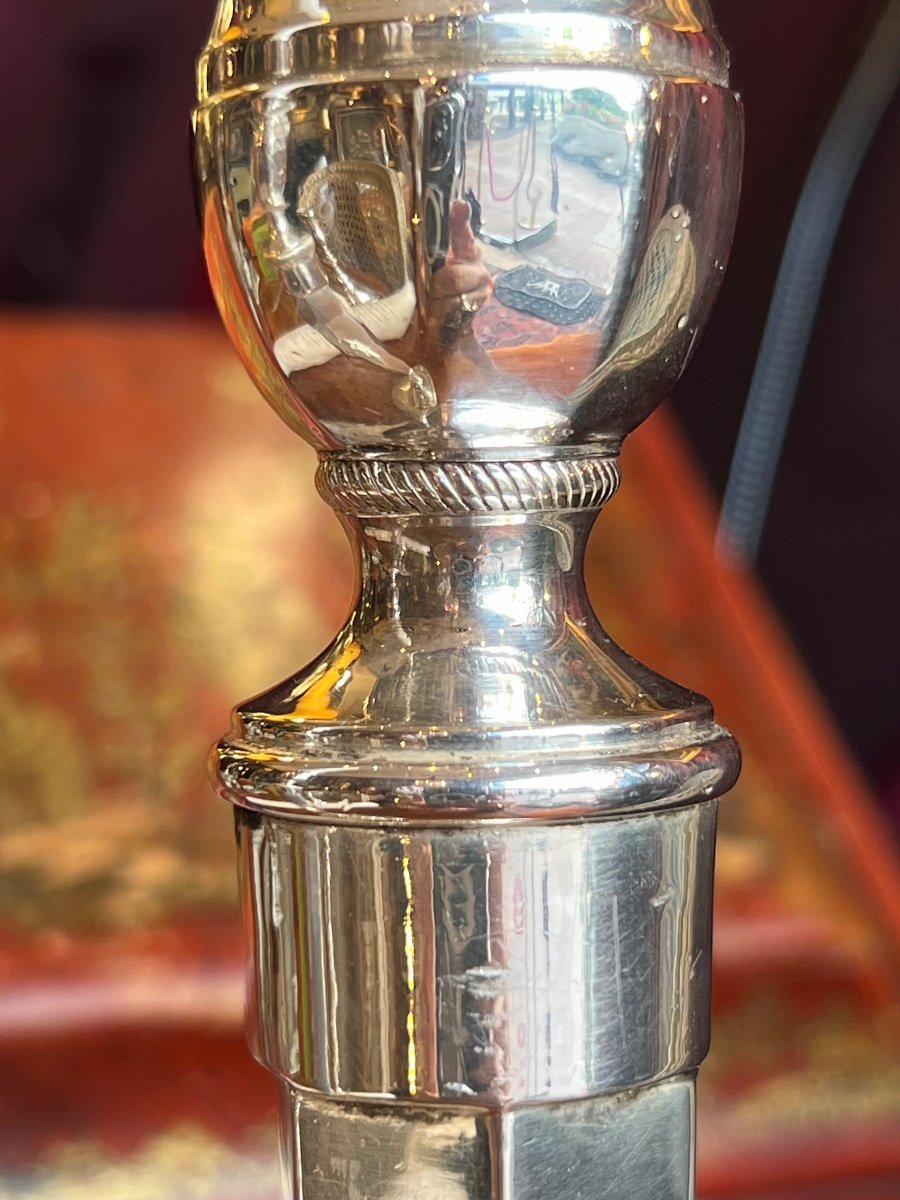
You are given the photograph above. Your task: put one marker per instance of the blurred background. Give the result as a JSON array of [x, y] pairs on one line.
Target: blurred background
[[163, 554]]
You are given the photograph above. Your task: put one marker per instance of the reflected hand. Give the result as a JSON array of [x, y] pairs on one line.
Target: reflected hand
[[463, 285]]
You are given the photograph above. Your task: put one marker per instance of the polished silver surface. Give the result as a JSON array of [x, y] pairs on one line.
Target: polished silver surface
[[498, 964], [466, 249], [436, 246], [473, 681], [635, 1146]]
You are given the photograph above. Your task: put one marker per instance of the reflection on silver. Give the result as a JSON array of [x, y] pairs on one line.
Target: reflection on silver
[[377, 215], [634, 1146], [473, 680], [499, 964], [465, 251]]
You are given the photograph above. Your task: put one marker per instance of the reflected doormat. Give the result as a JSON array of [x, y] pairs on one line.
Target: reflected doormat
[[550, 297]]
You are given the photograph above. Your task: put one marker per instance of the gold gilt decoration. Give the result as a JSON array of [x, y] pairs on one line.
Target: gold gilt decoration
[[846, 1071], [120, 615], [184, 1164]]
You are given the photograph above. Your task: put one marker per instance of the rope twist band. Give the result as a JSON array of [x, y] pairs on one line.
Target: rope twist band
[[383, 487]]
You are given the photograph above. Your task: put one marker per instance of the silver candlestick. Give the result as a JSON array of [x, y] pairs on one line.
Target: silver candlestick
[[465, 250]]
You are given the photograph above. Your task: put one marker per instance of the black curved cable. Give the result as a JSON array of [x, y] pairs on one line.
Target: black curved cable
[[798, 291]]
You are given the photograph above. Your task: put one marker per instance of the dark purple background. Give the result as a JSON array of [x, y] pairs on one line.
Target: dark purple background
[[96, 209]]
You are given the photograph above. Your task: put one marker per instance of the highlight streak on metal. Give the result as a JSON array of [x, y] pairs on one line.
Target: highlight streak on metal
[[409, 946]]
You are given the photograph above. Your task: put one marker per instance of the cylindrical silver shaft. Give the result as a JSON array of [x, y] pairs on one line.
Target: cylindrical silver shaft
[[637, 1145], [503, 1013], [500, 965]]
